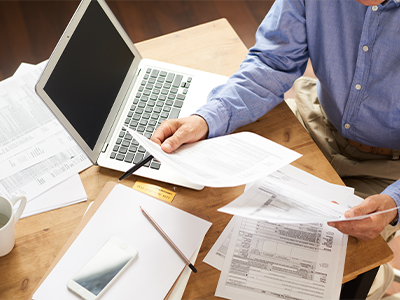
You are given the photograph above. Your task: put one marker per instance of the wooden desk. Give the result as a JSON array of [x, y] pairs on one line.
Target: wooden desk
[[212, 47]]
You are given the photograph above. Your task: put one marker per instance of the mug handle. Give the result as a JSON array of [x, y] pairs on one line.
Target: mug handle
[[21, 207]]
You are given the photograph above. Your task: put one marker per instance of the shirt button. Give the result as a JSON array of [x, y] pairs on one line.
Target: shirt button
[[365, 48], [347, 126], [374, 8], [358, 86]]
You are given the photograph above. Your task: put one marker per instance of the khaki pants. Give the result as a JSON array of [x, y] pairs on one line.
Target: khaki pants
[[368, 173]]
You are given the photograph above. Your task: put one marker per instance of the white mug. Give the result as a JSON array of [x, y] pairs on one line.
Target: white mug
[[8, 218]]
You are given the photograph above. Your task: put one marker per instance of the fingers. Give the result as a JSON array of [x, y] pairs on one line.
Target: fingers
[[364, 230], [173, 133], [369, 228]]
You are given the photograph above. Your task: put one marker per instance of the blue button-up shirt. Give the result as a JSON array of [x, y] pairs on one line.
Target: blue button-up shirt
[[355, 53]]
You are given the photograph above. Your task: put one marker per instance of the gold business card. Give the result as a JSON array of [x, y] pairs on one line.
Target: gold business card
[[154, 191]]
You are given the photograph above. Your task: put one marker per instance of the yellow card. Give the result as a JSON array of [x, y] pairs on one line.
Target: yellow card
[[154, 191]]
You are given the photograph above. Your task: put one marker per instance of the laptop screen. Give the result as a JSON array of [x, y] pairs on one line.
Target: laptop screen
[[90, 73]]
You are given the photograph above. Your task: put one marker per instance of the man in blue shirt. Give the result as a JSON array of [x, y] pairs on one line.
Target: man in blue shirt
[[354, 47], [354, 50]]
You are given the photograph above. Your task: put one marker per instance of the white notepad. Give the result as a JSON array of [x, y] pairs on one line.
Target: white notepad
[[152, 275]]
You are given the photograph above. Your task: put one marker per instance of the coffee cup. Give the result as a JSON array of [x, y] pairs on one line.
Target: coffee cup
[[8, 219]]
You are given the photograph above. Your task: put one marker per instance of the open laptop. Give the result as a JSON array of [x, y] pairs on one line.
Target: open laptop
[[96, 82]]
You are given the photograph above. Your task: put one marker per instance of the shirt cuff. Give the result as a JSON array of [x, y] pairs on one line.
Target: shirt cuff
[[393, 191], [216, 117]]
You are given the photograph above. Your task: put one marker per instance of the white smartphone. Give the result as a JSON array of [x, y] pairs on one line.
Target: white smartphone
[[93, 279]]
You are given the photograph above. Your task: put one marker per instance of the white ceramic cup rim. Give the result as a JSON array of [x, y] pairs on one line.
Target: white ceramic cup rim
[[9, 214]]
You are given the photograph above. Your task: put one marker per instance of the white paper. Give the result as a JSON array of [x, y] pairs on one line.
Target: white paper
[[216, 256], [223, 161], [276, 201], [66, 193], [282, 261], [36, 152], [152, 275]]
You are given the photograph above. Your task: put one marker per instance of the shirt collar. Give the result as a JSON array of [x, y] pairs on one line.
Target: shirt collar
[[397, 2]]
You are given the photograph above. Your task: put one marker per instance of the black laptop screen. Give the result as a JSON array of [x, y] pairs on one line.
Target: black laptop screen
[[89, 73]]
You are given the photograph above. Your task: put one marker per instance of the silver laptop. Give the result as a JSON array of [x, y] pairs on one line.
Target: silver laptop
[[96, 82]]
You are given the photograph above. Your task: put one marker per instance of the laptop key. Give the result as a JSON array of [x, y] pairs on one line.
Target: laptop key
[[155, 165], [174, 113], [177, 81], [170, 77], [123, 150], [178, 103], [120, 156], [133, 148], [129, 157], [112, 155], [181, 97], [138, 158], [154, 73]]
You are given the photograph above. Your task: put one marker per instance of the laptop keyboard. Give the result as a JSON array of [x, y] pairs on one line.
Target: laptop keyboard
[[159, 97]]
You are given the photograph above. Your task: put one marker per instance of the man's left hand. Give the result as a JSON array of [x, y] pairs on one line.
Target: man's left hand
[[368, 228]]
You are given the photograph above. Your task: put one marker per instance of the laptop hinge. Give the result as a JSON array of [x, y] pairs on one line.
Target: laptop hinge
[[105, 146]]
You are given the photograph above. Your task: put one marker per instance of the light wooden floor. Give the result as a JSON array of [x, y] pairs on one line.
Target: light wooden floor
[[29, 31]]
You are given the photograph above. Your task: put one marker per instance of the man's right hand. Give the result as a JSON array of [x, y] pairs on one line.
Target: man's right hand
[[175, 132]]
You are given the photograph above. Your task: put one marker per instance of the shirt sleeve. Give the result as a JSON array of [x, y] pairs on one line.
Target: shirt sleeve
[[393, 191], [270, 68]]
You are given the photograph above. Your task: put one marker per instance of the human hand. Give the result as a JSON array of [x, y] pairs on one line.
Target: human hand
[[175, 132], [368, 228]]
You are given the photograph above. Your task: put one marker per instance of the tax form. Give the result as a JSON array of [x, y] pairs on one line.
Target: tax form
[[267, 260], [282, 261]]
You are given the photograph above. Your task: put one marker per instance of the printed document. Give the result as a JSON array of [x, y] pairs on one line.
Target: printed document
[[274, 200], [36, 152], [266, 260], [269, 260], [223, 161]]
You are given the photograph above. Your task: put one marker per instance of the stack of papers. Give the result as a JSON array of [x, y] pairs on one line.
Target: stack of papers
[[36, 152], [286, 259]]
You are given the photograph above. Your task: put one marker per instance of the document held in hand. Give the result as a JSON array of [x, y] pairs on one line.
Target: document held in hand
[[224, 161]]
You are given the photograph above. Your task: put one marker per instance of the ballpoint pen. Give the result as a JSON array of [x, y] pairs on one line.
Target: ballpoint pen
[[137, 166], [170, 242]]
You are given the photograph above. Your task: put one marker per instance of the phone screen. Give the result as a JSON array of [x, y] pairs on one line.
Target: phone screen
[[102, 268]]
